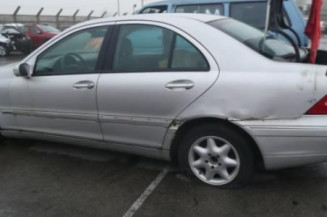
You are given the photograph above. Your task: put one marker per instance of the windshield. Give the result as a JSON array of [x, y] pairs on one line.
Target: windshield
[[48, 29], [215, 9], [254, 38], [252, 13]]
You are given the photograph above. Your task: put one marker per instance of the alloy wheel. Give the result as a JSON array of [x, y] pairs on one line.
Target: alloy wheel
[[214, 160]]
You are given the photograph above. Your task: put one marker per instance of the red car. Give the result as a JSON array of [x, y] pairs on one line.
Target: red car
[[40, 33]]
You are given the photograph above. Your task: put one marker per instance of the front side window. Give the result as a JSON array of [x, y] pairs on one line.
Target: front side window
[[252, 13], [75, 54], [145, 48], [214, 9], [155, 10]]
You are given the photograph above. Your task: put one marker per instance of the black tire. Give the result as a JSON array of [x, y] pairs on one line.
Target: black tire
[[245, 158], [2, 140], [4, 51]]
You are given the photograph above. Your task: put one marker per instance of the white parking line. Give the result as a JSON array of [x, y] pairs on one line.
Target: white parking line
[[138, 203]]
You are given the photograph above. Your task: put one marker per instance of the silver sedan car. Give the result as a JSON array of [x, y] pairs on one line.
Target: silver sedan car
[[209, 92]]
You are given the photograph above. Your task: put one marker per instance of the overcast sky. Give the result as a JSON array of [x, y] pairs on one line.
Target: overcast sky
[[69, 6]]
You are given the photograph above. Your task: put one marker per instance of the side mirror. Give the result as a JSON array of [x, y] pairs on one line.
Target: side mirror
[[23, 70]]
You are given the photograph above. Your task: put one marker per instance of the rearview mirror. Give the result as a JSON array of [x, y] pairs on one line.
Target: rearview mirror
[[23, 70]]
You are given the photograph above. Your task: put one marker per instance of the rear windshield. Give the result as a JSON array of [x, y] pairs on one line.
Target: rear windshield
[[215, 9], [252, 13], [254, 38]]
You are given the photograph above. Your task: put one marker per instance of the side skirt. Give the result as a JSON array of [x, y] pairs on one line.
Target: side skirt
[[126, 148]]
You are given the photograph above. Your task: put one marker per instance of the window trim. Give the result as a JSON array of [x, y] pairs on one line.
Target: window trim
[[108, 68], [200, 4], [101, 56]]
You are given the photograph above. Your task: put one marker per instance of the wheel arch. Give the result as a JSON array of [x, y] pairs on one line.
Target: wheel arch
[[192, 123]]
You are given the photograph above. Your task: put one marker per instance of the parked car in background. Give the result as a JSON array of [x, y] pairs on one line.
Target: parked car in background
[[252, 12], [4, 46], [207, 91], [36, 32], [17, 41], [40, 33], [17, 26]]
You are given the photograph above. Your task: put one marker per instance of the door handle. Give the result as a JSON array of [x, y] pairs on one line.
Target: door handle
[[180, 84], [83, 85]]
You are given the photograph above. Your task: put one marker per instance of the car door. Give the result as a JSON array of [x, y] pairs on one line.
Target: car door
[[62, 88], [154, 72], [33, 33]]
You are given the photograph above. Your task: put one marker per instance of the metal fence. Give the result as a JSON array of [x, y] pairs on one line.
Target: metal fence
[[59, 21]]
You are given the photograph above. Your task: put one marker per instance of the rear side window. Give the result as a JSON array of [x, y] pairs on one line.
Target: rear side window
[[186, 56], [252, 13], [154, 10], [216, 9], [148, 48]]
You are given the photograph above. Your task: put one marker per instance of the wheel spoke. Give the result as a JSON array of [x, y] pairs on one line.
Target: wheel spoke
[[224, 174], [200, 151], [230, 162], [209, 174], [198, 163], [224, 150], [212, 146]]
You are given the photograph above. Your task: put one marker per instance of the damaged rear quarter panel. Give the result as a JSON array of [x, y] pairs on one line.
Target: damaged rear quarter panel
[[272, 90]]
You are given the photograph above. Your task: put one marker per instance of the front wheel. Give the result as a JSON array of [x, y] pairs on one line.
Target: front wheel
[[217, 155], [4, 51]]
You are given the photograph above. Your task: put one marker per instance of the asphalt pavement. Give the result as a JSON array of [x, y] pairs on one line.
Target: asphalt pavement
[[12, 58], [50, 180]]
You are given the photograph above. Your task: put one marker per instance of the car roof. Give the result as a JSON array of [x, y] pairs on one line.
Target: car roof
[[182, 2], [157, 18], [13, 24]]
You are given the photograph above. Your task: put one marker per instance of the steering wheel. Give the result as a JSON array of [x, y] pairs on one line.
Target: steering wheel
[[71, 61]]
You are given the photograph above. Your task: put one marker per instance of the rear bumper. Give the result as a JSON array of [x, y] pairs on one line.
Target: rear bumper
[[289, 143]]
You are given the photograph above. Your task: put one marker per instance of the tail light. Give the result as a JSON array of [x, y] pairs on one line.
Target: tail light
[[320, 108]]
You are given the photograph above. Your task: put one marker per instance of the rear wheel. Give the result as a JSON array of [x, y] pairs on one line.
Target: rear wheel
[[217, 155], [4, 51]]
